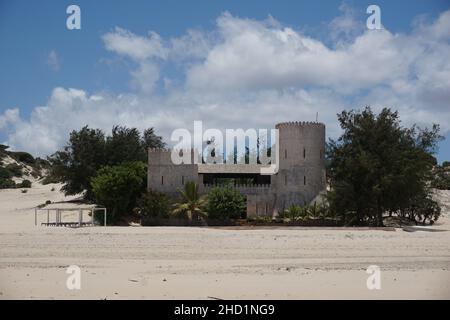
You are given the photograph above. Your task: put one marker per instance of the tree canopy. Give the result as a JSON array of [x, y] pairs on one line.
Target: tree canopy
[[88, 150], [378, 166]]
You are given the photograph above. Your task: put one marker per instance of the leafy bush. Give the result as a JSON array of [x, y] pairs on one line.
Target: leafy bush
[[295, 212], [5, 179], [15, 169], [88, 150], [24, 184], [49, 179], [225, 203], [23, 157], [153, 204], [118, 187], [24, 190], [5, 173]]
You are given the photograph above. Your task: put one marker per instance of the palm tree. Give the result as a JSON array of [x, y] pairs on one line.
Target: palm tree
[[192, 203]]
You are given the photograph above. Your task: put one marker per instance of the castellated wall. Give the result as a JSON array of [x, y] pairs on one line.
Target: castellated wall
[[301, 174], [164, 176]]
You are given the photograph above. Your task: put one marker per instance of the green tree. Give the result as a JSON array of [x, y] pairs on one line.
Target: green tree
[[377, 166], [192, 204], [124, 144], [89, 150], [151, 140], [118, 187], [225, 202], [79, 161]]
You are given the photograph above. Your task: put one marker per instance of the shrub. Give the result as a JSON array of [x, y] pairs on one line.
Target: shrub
[[295, 212], [23, 157], [225, 203], [49, 179], [153, 204], [5, 179], [24, 190], [192, 204], [441, 178], [118, 187], [7, 183], [24, 184], [15, 169]]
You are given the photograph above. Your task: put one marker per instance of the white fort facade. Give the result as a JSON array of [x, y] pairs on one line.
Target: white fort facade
[[299, 179]]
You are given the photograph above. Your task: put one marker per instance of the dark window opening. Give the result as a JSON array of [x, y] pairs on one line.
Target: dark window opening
[[235, 178], [304, 153], [304, 180], [182, 180], [285, 153], [162, 180]]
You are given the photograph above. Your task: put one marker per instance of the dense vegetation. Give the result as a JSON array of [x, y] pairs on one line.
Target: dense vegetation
[[375, 169], [220, 204], [441, 176], [16, 169], [118, 187], [225, 203], [378, 167], [192, 204], [153, 204], [89, 150], [110, 170]]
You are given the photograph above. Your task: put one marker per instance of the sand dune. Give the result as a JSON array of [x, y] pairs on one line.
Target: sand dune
[[201, 263]]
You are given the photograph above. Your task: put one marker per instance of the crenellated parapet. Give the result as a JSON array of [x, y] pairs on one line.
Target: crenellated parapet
[[299, 124]]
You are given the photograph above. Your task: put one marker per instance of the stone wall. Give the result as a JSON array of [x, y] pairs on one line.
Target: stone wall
[[301, 174], [164, 176], [300, 178]]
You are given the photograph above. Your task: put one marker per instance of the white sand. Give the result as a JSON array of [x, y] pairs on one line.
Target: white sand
[[197, 263]]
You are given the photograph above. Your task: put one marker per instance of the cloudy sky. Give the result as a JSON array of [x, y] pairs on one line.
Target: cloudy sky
[[231, 65]]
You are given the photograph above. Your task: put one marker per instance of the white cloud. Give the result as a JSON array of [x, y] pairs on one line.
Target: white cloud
[[10, 116], [53, 60], [248, 73], [126, 43]]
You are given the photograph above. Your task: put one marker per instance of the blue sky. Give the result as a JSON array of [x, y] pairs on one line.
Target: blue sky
[[39, 54]]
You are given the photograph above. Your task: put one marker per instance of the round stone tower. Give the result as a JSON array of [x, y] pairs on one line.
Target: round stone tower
[[301, 174]]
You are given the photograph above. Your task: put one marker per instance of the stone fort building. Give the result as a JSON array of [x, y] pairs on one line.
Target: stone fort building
[[300, 176]]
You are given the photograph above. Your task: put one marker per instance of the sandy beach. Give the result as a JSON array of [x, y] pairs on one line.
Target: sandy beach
[[214, 263]]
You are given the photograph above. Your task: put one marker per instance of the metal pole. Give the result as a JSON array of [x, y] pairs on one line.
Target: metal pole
[[35, 216], [92, 216], [104, 213], [80, 217]]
